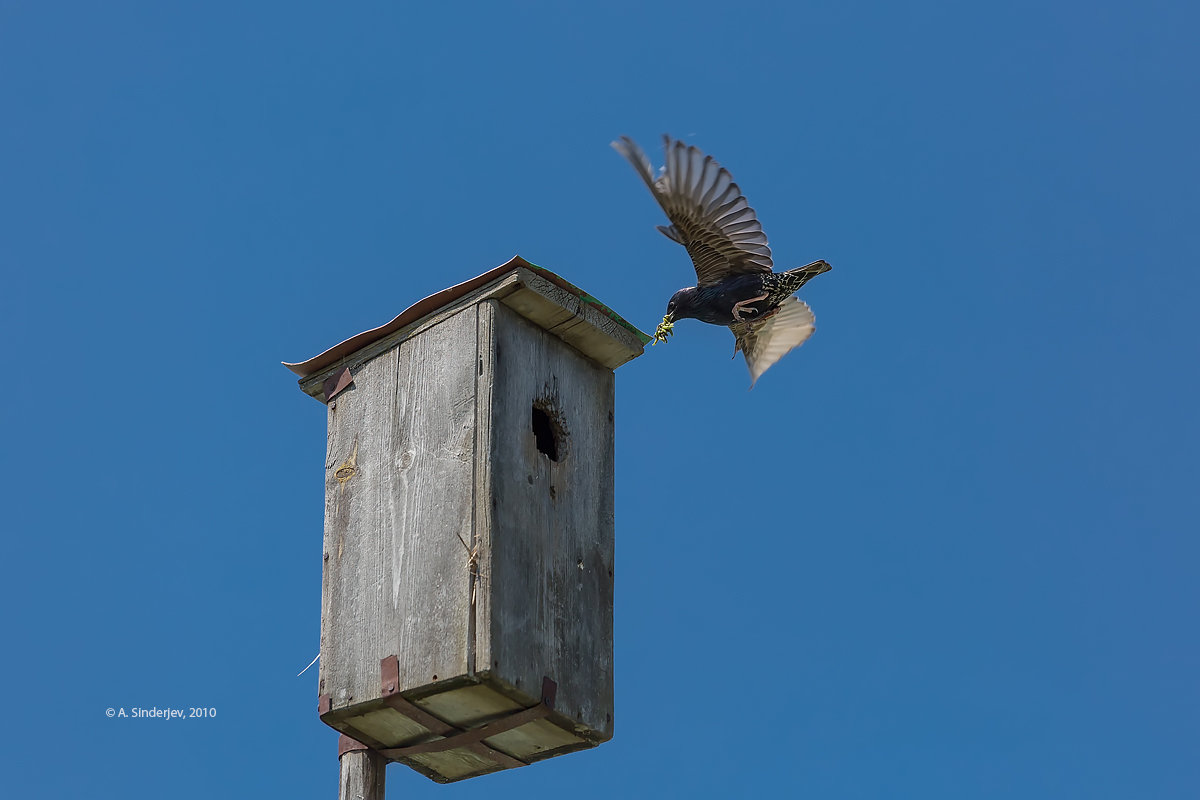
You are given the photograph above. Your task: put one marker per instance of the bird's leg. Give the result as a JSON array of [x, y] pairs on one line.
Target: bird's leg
[[737, 307]]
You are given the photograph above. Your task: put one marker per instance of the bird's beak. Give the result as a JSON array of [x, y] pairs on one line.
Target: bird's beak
[[669, 316]]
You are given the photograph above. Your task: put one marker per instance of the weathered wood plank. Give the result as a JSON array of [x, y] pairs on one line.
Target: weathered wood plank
[[479, 647], [399, 509], [429, 506], [351, 559], [551, 537]]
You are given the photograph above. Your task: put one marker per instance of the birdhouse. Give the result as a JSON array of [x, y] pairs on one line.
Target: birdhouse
[[467, 584]]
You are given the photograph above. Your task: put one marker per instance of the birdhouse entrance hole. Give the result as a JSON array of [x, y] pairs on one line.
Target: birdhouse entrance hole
[[545, 432]]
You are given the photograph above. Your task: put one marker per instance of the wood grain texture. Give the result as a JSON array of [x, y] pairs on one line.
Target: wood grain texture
[[399, 509], [362, 776], [550, 543], [479, 652]]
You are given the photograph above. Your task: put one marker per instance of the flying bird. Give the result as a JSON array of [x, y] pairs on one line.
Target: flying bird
[[736, 285]]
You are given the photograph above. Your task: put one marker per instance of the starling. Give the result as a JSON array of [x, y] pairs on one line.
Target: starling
[[735, 283]]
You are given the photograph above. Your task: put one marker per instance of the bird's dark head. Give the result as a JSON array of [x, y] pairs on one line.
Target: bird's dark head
[[682, 304]]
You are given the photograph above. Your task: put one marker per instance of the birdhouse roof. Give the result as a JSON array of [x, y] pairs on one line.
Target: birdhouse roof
[[524, 273]]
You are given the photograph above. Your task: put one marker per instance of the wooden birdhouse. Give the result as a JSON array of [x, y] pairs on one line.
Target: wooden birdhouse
[[467, 594]]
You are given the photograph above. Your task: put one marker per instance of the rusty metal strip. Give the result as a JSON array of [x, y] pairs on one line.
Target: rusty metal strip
[[389, 675], [455, 737], [480, 749], [348, 745], [336, 383], [421, 716], [503, 759], [451, 733], [324, 705], [473, 735]]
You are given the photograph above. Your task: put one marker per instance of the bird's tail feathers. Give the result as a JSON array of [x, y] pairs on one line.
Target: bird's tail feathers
[[815, 268], [801, 275]]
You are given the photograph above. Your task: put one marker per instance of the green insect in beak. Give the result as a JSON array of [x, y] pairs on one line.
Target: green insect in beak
[[663, 330]]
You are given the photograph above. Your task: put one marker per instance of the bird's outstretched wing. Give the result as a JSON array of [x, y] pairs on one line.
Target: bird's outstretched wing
[[765, 342], [709, 216]]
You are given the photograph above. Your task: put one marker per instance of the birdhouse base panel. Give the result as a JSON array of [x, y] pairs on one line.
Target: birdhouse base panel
[[463, 727]]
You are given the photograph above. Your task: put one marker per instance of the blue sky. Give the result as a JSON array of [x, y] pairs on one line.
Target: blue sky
[[946, 549]]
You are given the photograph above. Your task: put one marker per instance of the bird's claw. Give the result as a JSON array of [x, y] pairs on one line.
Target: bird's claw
[[663, 331], [745, 305]]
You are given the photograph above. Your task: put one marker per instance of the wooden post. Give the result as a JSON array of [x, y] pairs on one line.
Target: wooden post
[[362, 771]]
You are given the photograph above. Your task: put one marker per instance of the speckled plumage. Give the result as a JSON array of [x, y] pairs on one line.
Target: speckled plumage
[[735, 283]]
